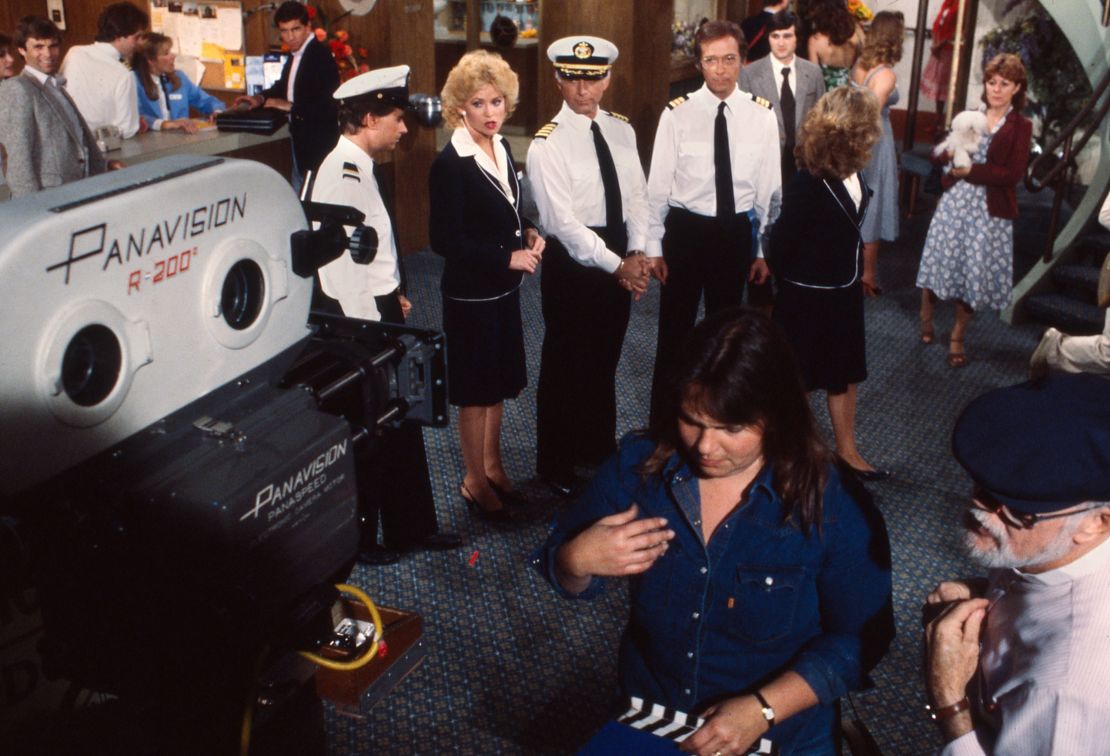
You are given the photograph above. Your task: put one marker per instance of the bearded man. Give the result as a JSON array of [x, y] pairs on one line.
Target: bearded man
[[1017, 662]]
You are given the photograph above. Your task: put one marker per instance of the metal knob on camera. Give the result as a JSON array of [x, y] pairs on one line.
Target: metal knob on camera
[[363, 244], [428, 109]]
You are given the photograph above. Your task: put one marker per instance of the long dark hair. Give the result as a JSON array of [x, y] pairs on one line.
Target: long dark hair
[[739, 368], [143, 62]]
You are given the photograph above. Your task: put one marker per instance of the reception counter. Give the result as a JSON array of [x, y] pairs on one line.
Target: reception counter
[[273, 150]]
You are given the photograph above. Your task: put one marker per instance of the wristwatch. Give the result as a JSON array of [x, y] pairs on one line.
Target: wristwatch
[[767, 710]]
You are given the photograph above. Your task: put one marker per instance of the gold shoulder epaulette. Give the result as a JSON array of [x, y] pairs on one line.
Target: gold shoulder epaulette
[[761, 101], [351, 172], [618, 116], [676, 102], [545, 130]]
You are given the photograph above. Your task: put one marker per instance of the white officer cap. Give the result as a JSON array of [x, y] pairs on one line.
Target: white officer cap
[[387, 85], [582, 57]]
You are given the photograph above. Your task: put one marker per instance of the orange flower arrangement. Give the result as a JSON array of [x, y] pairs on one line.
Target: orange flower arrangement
[[339, 42]]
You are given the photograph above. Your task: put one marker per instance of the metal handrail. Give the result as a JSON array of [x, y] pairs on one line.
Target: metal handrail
[[1064, 139], [1061, 175]]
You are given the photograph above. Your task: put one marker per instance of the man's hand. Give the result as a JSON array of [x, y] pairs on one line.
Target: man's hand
[[251, 101], [115, 165], [959, 173], [406, 306], [613, 546], [730, 728], [952, 656], [658, 269], [759, 272], [634, 274]]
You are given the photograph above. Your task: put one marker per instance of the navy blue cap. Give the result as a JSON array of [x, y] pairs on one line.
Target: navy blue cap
[[1040, 446]]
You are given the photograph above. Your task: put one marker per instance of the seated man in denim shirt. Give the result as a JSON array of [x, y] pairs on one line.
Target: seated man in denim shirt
[[760, 573]]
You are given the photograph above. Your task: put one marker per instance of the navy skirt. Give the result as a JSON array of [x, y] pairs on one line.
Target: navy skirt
[[485, 350]]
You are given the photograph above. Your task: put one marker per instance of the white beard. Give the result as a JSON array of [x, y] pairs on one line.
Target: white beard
[[1002, 556]]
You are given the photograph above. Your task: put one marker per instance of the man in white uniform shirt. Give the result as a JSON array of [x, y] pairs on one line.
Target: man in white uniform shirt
[[98, 76], [714, 171], [591, 195], [1017, 663], [394, 482]]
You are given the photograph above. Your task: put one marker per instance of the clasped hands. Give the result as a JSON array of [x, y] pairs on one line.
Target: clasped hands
[[528, 259], [634, 273]]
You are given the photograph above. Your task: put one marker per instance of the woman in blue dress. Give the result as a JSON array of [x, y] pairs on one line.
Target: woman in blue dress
[[969, 250], [166, 94], [875, 70]]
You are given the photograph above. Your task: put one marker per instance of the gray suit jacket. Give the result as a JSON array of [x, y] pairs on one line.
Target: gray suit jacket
[[759, 79], [43, 148]]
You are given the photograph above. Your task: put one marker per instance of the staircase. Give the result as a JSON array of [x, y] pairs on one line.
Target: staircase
[[1059, 288]]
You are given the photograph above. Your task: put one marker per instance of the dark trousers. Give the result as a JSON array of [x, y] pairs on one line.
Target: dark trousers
[[702, 255], [585, 315], [393, 480]]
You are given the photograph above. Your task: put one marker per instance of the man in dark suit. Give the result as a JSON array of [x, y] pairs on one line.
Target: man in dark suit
[[782, 68], [755, 28], [304, 90], [47, 140]]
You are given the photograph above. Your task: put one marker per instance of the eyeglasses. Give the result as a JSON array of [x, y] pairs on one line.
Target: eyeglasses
[[984, 500], [711, 61]]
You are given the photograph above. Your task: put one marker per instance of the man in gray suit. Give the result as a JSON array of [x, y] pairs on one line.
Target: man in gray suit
[[47, 140], [791, 84]]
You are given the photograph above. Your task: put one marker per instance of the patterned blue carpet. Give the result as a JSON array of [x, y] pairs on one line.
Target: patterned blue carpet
[[514, 669]]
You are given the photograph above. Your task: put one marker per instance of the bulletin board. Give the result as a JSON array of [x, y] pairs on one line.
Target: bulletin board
[[209, 31]]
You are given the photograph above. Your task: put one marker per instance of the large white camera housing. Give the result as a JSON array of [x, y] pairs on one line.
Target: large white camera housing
[[130, 294]]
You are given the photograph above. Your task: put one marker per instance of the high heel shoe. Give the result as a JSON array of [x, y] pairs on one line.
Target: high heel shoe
[[510, 498], [496, 516]]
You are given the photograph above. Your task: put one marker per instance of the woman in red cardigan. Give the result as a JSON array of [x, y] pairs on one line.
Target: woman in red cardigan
[[969, 250]]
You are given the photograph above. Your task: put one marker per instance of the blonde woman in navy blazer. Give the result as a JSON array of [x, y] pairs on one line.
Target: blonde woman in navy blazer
[[488, 247], [816, 255]]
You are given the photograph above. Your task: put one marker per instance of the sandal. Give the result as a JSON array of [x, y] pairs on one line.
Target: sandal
[[956, 359]]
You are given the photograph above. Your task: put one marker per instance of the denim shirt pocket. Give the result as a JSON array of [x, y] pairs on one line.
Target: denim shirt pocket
[[766, 602]]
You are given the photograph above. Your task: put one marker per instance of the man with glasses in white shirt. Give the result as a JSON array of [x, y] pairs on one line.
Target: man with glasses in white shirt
[[714, 169], [1017, 662]]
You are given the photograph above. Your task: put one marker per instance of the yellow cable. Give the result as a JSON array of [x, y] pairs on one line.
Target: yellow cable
[[363, 660]]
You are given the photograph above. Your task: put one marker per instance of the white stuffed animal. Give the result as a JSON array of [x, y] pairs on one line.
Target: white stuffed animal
[[968, 130]]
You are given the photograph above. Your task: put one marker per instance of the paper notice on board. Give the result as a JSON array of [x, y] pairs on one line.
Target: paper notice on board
[[189, 38], [212, 53], [158, 19], [229, 28]]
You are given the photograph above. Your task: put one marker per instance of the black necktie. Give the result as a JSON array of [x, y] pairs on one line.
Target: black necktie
[[722, 164], [614, 210], [786, 101]]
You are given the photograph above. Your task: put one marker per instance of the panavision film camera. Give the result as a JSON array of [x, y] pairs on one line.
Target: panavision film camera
[[178, 445]]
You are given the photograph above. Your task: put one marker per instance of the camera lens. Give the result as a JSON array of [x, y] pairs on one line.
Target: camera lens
[[91, 365], [241, 297]]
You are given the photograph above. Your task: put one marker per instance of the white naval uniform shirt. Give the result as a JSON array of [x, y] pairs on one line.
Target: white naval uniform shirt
[[682, 170], [566, 180], [103, 87], [1044, 662], [346, 177]]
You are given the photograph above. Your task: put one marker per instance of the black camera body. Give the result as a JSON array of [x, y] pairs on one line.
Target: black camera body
[[181, 437]]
